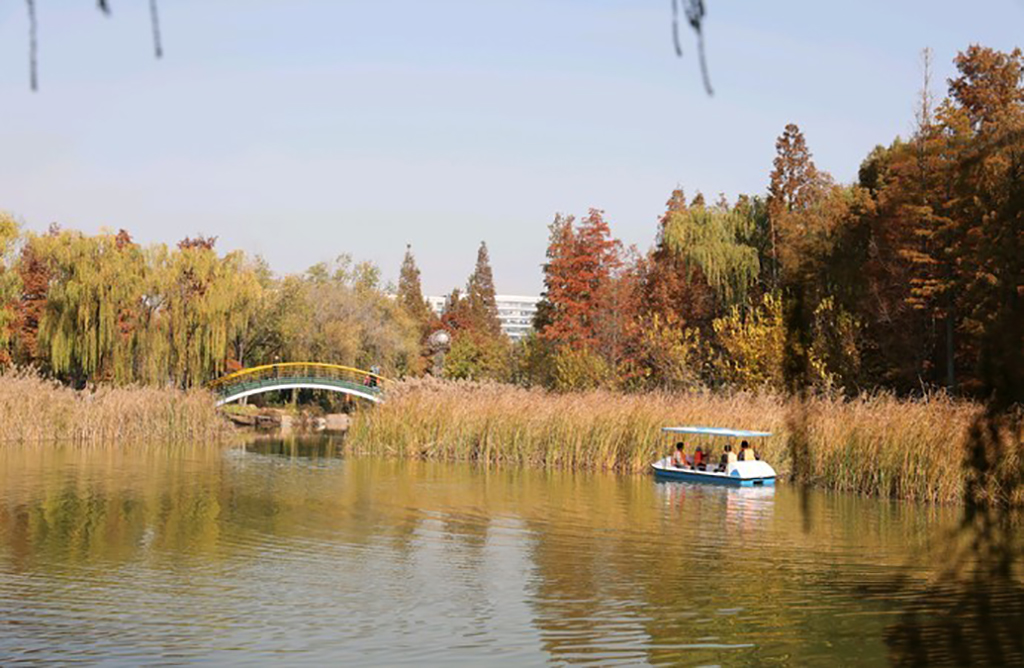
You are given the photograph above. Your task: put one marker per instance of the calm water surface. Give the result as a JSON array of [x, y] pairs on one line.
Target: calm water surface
[[285, 553]]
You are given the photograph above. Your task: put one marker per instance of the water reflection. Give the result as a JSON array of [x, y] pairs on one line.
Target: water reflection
[[283, 551]]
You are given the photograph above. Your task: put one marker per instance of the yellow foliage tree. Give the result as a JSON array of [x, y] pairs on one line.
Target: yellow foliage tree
[[751, 345], [580, 369], [667, 356]]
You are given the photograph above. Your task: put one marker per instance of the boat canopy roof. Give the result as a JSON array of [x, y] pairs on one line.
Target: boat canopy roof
[[717, 431]]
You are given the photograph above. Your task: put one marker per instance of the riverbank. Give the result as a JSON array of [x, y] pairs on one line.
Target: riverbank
[[285, 419], [880, 445], [35, 410]]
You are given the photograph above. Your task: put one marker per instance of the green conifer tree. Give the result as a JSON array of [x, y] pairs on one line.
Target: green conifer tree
[[410, 292], [482, 305]]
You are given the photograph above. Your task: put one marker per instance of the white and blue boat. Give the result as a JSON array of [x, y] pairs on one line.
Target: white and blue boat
[[740, 474]]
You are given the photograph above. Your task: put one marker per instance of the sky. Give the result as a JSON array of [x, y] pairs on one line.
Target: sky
[[303, 129]]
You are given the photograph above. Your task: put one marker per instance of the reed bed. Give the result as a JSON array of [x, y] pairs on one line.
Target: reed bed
[[881, 445], [33, 409]]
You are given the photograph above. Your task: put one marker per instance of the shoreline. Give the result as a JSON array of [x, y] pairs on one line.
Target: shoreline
[[39, 411], [911, 449], [880, 445]]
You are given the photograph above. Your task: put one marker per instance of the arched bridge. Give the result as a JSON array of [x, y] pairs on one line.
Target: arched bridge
[[299, 375]]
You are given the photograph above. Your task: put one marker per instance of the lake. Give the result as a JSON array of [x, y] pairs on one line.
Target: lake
[[285, 552]]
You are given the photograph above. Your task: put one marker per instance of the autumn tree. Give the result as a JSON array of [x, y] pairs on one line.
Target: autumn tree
[[751, 346], [795, 187], [410, 292], [988, 89], [581, 260], [989, 270], [616, 322], [480, 297], [937, 204], [34, 278]]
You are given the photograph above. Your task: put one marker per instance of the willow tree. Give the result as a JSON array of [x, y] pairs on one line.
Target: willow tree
[[88, 329], [200, 302], [9, 284], [714, 239]]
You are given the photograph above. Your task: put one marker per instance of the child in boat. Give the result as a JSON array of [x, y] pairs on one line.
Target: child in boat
[[698, 459], [728, 457], [679, 456]]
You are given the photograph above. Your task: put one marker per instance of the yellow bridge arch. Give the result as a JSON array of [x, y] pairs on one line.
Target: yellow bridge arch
[[299, 375]]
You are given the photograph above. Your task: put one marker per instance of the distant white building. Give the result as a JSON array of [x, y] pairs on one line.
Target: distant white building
[[436, 304], [515, 313]]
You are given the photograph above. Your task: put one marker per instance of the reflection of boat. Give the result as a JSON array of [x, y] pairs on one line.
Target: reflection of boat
[[744, 474]]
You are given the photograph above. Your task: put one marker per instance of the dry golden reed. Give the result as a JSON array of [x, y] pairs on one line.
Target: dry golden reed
[[33, 409], [881, 445]]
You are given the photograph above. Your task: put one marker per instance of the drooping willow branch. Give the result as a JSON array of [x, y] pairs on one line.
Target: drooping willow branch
[[103, 6], [694, 11], [154, 19], [33, 71]]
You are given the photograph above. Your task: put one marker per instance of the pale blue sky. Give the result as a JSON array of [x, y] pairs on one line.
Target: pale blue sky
[[301, 129]]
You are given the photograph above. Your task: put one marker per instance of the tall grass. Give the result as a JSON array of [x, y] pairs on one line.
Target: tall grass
[[881, 445], [36, 410]]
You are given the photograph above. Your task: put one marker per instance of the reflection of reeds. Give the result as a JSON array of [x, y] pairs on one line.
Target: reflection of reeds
[[880, 445], [33, 409]]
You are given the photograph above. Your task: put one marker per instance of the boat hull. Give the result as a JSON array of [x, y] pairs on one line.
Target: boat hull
[[741, 474]]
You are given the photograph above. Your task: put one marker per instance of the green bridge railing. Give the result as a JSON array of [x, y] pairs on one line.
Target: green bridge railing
[[285, 374]]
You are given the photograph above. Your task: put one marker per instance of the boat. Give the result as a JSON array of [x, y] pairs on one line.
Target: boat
[[740, 474]]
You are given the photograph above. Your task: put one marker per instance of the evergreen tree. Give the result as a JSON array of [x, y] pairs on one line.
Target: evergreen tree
[[457, 316], [34, 278], [410, 293], [481, 301], [561, 239], [795, 187]]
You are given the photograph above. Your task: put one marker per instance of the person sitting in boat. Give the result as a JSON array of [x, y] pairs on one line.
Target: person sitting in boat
[[679, 456], [728, 457], [698, 459], [747, 453]]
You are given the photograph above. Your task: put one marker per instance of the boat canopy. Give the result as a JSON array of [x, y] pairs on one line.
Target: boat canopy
[[717, 431]]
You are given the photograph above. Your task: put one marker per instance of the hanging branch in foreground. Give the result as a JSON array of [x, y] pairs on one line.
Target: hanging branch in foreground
[[33, 73], [154, 19], [103, 6], [694, 11]]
